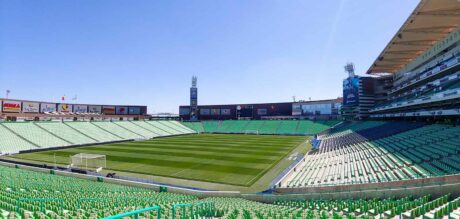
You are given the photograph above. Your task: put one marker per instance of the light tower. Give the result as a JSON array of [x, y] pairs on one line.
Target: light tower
[[350, 69], [194, 99]]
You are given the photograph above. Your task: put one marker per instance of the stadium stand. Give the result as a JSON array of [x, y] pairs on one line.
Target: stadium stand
[[11, 142], [408, 150], [93, 131], [65, 132], [21, 136], [211, 126], [35, 134], [177, 125], [139, 130], [197, 126], [117, 130], [170, 128], [30, 194], [277, 127]]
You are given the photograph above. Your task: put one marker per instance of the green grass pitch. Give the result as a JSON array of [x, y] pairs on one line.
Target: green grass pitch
[[228, 159]]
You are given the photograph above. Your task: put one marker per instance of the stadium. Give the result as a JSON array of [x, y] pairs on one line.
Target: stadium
[[389, 148]]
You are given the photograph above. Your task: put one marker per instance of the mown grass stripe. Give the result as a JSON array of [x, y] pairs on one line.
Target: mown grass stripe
[[245, 158], [215, 149], [229, 159]]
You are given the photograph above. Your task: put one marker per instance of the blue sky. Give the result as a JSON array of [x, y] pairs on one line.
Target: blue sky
[[145, 52]]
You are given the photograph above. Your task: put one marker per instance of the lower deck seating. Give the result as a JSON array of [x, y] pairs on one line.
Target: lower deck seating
[[65, 132], [35, 134], [431, 150], [115, 129], [11, 142], [197, 126], [29, 194], [272, 127], [134, 127], [93, 131], [20, 136]]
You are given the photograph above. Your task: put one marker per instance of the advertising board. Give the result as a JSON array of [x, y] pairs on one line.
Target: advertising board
[[10, 106], [30, 107], [121, 110], [65, 108], [108, 110], [134, 110], [47, 107], [95, 109], [225, 112], [80, 108]]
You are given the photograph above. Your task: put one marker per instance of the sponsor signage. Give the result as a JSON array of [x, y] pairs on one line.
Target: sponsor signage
[[108, 110], [65, 108], [225, 112], [296, 109], [351, 91], [205, 112], [262, 111], [215, 111], [121, 110], [80, 108], [134, 110], [95, 109], [47, 107], [30, 107], [10, 106], [193, 93], [184, 111]]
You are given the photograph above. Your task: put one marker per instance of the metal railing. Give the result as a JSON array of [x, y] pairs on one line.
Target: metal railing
[[136, 213]]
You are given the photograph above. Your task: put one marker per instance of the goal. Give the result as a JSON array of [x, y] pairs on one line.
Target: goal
[[251, 132], [88, 161]]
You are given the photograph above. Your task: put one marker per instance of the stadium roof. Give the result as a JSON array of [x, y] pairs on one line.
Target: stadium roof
[[430, 21]]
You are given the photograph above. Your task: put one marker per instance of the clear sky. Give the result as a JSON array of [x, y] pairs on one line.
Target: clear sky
[[145, 52]]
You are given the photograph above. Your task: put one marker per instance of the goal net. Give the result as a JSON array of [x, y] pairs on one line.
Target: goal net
[[251, 132], [88, 161]]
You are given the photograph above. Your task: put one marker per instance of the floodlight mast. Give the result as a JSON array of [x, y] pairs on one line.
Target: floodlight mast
[[194, 81], [194, 99], [350, 69]]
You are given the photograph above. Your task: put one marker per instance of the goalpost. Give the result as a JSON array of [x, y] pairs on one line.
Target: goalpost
[[89, 161], [251, 132]]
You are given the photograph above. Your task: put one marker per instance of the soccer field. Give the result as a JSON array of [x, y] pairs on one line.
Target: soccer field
[[228, 159]]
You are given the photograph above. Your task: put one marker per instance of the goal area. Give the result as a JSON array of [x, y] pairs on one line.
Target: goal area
[[88, 161]]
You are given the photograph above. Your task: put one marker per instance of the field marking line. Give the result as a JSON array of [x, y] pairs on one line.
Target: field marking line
[[266, 170], [190, 168]]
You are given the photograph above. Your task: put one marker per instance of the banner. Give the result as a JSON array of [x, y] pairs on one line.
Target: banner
[[205, 112], [121, 110], [30, 107], [262, 111], [215, 111], [193, 96], [134, 110], [64, 108], [108, 110], [80, 108], [351, 91], [47, 107], [184, 111], [95, 109], [296, 109], [225, 112], [10, 106]]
